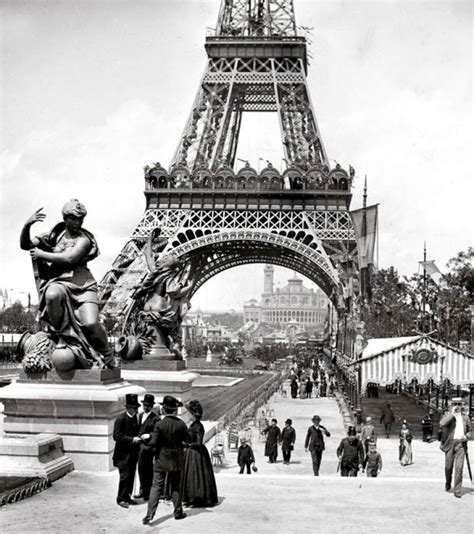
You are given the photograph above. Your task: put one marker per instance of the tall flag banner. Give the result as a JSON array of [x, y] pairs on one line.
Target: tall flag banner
[[364, 221], [432, 270]]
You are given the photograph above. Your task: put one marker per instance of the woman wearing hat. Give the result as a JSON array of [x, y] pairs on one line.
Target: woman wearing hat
[[198, 484], [288, 438]]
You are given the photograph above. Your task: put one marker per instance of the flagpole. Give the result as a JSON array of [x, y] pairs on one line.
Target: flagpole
[[423, 301], [364, 233]]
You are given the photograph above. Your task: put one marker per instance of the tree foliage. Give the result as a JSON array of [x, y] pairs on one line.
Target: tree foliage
[[410, 305], [17, 319]]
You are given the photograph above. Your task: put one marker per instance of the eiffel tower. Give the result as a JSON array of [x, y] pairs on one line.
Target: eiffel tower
[[215, 217]]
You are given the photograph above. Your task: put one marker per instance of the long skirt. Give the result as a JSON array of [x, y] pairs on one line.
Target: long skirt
[[406, 453], [198, 484]]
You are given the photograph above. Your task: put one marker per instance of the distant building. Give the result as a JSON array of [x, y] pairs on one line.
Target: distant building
[[199, 325], [293, 303]]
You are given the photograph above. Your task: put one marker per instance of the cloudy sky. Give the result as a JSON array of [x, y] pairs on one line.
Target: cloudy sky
[[92, 90]]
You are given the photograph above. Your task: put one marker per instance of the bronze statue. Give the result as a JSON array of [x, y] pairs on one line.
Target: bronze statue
[[68, 298], [164, 294]]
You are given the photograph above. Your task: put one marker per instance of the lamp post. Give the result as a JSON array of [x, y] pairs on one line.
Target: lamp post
[[404, 372], [441, 382], [358, 370]]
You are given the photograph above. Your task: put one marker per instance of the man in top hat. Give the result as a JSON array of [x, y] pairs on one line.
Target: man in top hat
[[455, 429], [314, 442], [127, 443], [288, 438], [169, 438], [146, 424]]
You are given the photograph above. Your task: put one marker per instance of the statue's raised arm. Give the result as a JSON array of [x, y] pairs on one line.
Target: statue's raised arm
[[67, 291]]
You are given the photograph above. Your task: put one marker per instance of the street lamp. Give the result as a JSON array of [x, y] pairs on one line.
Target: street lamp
[[358, 377], [441, 381], [404, 371]]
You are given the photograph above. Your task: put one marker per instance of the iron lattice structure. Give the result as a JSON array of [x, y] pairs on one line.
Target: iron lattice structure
[[216, 218]]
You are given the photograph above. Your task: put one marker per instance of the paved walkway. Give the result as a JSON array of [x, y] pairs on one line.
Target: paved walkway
[[277, 499]]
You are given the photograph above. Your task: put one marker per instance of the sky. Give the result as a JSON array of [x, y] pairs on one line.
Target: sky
[[92, 90]]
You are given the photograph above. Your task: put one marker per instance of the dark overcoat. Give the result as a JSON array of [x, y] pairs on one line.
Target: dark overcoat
[[169, 437], [315, 439], [273, 436], [125, 429], [288, 438], [245, 455]]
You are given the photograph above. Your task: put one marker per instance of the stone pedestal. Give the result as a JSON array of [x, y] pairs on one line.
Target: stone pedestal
[[81, 406], [164, 382], [39, 455]]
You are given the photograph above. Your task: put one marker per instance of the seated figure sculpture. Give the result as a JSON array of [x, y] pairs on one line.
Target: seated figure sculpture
[[68, 298]]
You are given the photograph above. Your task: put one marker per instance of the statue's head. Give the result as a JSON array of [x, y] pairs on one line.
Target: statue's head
[[74, 208], [170, 261]]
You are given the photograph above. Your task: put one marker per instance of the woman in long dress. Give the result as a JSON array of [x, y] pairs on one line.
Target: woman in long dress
[[406, 437], [198, 484]]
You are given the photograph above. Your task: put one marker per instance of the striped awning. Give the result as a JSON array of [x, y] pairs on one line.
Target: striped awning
[[397, 361]]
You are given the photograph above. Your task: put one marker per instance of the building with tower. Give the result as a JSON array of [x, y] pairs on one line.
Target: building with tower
[[294, 304]]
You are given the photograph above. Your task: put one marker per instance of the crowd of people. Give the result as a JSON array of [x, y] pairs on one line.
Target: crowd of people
[[314, 381], [172, 460]]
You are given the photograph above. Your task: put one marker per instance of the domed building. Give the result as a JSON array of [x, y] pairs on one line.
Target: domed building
[[293, 303]]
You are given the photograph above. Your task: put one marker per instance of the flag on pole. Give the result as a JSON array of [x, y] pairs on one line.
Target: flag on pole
[[364, 221], [432, 270]]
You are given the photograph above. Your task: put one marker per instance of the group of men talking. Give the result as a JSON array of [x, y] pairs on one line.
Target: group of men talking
[[156, 445]]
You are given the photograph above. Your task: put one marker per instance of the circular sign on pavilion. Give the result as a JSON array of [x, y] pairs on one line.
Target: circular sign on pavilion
[[423, 356]]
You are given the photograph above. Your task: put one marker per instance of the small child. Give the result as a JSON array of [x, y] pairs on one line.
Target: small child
[[245, 456], [373, 461]]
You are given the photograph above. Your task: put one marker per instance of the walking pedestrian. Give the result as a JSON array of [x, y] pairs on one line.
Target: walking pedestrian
[[373, 461], [170, 436], [126, 449], [405, 449], [245, 456], [387, 418], [273, 434], [294, 387], [350, 454], [309, 388], [288, 438], [314, 442], [455, 427], [367, 434]]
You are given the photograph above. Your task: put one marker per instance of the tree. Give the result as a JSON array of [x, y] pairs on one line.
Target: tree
[[456, 294], [17, 319], [393, 311], [195, 348]]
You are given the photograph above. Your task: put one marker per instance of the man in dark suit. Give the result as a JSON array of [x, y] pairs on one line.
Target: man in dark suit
[[126, 449], [455, 427], [146, 424], [169, 438], [315, 442]]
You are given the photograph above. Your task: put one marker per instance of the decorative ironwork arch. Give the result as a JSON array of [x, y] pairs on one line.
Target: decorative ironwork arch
[[215, 252]]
